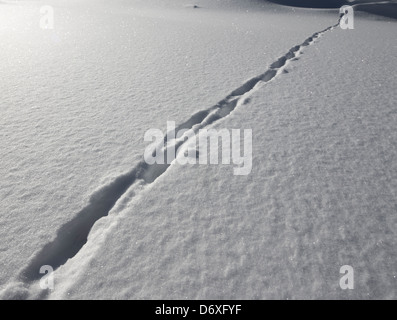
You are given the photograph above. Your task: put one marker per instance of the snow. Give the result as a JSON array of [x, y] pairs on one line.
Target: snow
[[77, 100]]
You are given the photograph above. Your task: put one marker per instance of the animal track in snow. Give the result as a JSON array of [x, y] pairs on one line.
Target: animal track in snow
[[73, 235]]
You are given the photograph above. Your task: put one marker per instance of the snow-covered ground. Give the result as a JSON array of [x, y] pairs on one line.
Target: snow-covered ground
[[77, 100]]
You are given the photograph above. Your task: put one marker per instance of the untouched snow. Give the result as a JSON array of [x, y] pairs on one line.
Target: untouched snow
[[76, 102]]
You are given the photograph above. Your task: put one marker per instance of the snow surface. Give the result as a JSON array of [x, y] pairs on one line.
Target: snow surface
[[77, 100]]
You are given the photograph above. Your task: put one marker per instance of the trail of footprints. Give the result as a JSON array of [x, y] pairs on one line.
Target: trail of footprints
[[72, 236]]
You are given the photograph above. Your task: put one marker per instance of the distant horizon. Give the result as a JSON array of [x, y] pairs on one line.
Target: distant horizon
[[383, 8]]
